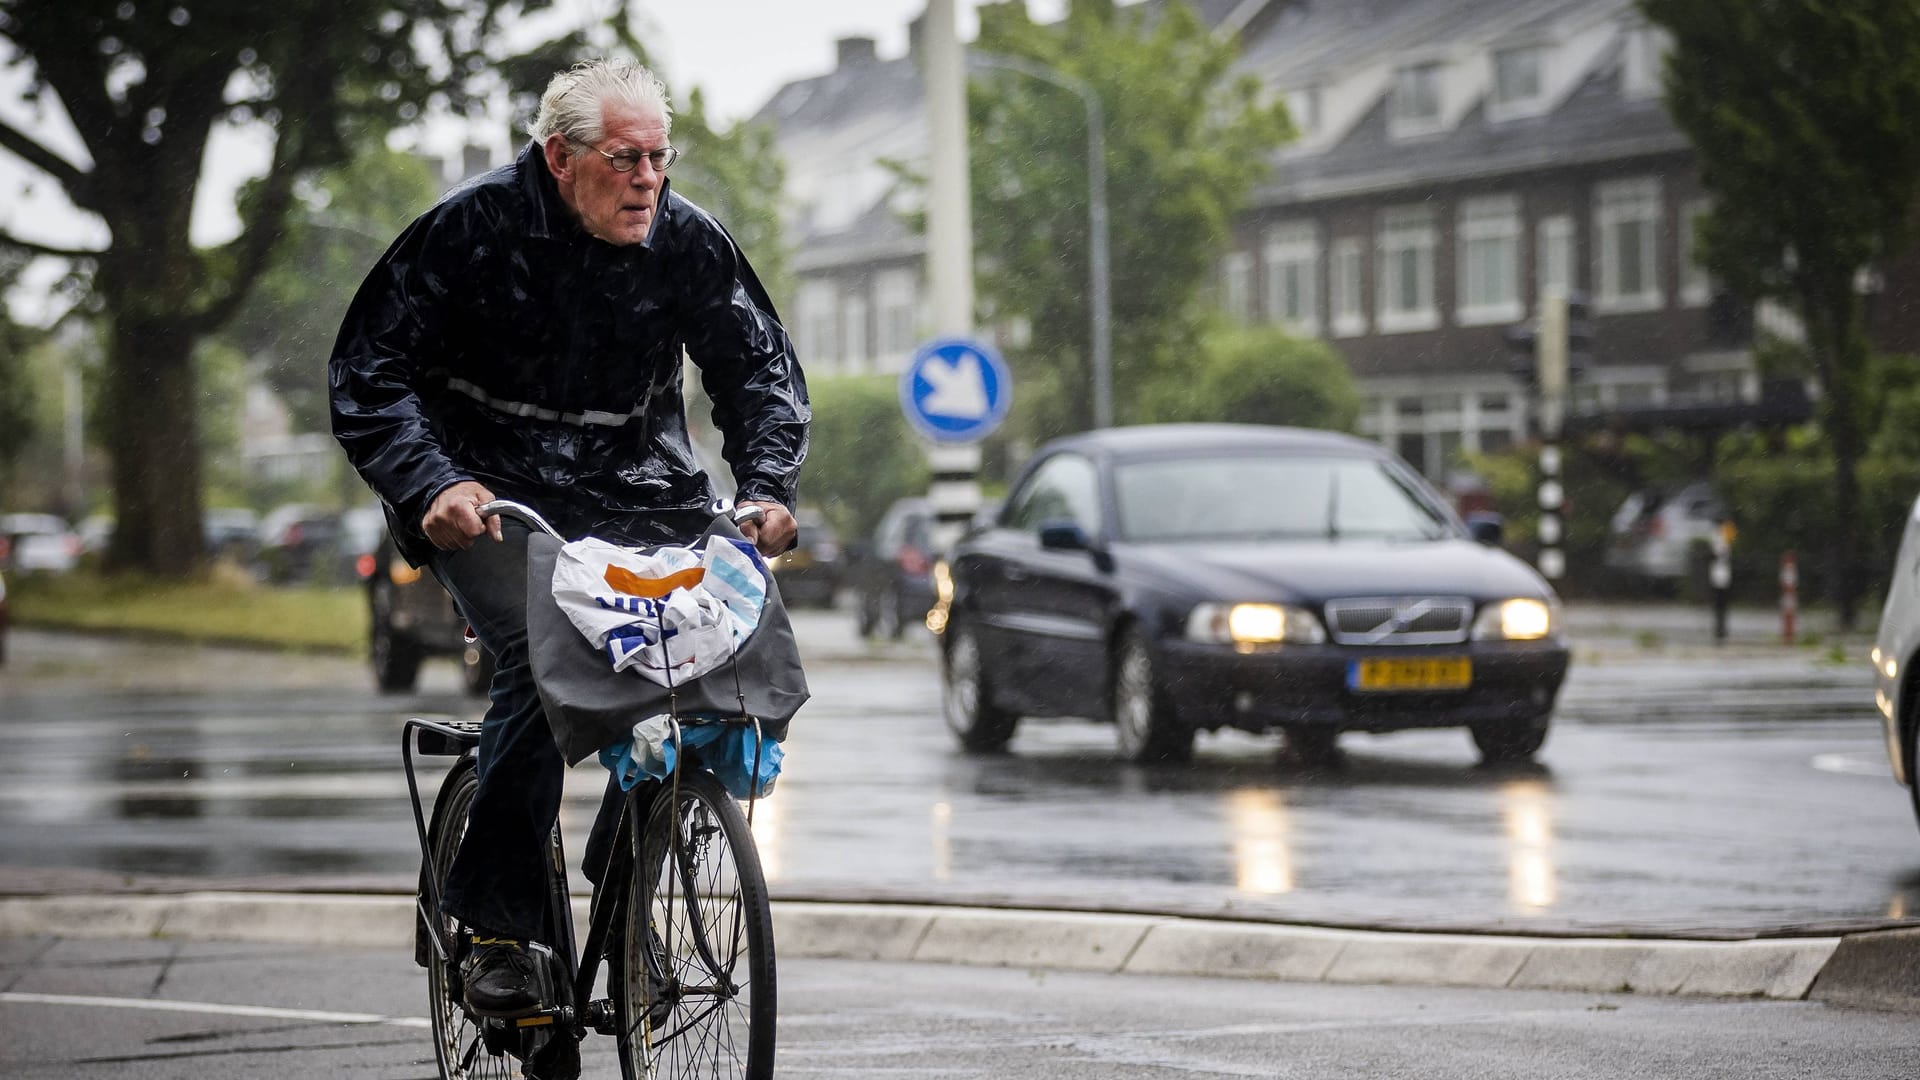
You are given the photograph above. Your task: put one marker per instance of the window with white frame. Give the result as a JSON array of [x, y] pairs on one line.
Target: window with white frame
[[1403, 293], [819, 324], [896, 293], [853, 334], [1626, 219], [1293, 276], [1346, 310], [1416, 98], [1518, 85], [1489, 250], [1696, 285], [1303, 108], [1553, 256], [1643, 47], [1236, 286]]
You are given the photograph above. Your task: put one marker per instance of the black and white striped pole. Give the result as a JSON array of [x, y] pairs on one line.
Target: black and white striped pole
[[1551, 369]]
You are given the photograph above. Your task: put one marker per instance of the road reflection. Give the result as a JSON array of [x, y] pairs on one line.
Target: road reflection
[[1527, 807], [1262, 852]]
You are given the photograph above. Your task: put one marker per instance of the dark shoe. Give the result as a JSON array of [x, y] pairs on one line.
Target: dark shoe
[[499, 977]]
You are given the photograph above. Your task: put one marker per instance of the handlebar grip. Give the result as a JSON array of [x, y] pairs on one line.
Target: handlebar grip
[[520, 512], [744, 514]]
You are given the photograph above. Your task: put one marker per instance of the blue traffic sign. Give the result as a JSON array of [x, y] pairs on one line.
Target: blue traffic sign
[[955, 390]]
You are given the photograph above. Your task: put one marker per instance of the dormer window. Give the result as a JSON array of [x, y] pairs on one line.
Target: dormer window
[[1416, 98], [1303, 108], [1517, 82], [1642, 49]]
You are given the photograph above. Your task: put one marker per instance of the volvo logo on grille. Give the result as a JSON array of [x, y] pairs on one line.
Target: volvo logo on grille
[[1410, 620]]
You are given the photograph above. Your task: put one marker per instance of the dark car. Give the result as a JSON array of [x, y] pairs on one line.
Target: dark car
[[1183, 578], [893, 579], [412, 619], [297, 543], [809, 574]]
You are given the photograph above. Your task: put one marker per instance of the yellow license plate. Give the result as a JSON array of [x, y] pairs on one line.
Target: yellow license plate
[[1436, 673]]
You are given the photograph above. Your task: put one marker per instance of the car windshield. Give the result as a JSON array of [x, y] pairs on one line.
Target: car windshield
[[1277, 498]]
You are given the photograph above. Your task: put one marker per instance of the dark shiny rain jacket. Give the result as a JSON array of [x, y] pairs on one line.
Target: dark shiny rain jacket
[[497, 341]]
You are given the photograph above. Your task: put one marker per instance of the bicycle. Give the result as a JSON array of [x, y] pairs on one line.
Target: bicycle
[[680, 915]]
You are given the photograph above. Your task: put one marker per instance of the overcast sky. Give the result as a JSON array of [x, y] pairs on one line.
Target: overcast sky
[[737, 51]]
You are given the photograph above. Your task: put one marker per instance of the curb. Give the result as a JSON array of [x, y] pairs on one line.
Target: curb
[[1874, 970]]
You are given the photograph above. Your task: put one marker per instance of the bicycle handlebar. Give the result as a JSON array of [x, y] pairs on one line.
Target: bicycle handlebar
[[531, 518]]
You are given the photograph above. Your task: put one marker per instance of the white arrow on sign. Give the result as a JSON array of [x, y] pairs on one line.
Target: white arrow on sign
[[959, 389]]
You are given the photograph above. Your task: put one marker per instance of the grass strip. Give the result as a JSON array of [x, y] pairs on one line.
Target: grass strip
[[210, 611]]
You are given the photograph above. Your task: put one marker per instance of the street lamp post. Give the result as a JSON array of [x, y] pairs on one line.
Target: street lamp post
[[1102, 303]]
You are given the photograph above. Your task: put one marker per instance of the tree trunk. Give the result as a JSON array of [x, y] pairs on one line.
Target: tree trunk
[[151, 427], [1833, 334]]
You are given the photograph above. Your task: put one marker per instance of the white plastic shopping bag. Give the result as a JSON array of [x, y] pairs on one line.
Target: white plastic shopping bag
[[670, 613]]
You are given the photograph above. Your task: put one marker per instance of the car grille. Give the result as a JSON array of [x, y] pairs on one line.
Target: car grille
[[1400, 620]]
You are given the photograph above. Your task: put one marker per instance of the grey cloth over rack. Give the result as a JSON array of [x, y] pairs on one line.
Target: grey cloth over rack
[[590, 706]]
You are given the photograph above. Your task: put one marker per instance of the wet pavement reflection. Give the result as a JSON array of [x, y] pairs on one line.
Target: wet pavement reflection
[[1739, 796]]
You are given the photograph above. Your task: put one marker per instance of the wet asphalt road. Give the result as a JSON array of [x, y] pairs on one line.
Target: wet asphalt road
[[1681, 792], [170, 1010]]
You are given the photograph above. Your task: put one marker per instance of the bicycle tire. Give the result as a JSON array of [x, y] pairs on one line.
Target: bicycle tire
[[459, 1045], [702, 940]]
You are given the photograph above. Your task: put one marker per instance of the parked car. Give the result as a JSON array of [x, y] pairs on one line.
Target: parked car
[[1896, 651], [5, 618], [810, 574], [893, 577], [1664, 536], [38, 543], [412, 619], [295, 541], [231, 533], [1173, 579]]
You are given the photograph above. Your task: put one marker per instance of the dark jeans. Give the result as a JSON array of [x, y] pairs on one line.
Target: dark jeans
[[498, 880]]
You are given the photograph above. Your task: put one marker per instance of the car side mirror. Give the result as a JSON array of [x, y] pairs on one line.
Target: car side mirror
[[1064, 536], [1487, 528]]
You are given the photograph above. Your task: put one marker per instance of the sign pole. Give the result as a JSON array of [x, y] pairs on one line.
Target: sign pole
[[955, 493]]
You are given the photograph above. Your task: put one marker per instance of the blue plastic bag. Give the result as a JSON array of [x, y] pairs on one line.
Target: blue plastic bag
[[728, 751]]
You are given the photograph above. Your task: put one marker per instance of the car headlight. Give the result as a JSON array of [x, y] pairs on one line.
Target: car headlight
[[1254, 624], [1520, 619], [942, 582]]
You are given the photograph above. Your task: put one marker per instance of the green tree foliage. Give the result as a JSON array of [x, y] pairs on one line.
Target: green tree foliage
[[16, 391], [862, 455], [736, 175], [1257, 375], [1802, 113], [1185, 143], [343, 220], [144, 85]]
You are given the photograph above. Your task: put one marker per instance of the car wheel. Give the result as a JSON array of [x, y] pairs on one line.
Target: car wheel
[[1913, 767], [396, 657], [981, 726], [868, 618], [1312, 744], [892, 622], [1509, 742], [476, 668], [1143, 722]]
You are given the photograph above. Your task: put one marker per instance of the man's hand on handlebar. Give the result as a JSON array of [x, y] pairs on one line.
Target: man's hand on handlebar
[[453, 522], [774, 533]]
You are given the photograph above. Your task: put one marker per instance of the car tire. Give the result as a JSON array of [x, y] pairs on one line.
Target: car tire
[[1509, 742], [1144, 724], [892, 622], [867, 621], [476, 669], [396, 657], [1913, 766], [967, 698]]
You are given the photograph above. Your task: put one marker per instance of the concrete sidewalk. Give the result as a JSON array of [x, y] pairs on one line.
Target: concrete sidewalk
[[1873, 970]]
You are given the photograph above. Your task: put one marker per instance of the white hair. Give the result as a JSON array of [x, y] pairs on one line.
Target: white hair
[[575, 100]]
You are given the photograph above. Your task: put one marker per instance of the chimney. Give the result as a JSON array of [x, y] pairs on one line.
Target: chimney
[[854, 51]]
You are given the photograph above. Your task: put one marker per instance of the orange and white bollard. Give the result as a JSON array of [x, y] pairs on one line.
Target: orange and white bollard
[[1789, 595]]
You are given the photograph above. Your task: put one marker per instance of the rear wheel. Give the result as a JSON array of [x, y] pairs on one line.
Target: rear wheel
[[396, 657], [1144, 723], [694, 990], [1312, 744], [1509, 742], [981, 727], [461, 1046]]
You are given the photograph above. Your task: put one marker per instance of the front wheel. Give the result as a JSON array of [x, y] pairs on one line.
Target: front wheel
[[693, 982], [1509, 742], [1146, 727], [981, 726]]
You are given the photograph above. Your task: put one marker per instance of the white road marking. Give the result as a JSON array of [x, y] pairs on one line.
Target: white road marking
[[263, 1011], [1863, 763]]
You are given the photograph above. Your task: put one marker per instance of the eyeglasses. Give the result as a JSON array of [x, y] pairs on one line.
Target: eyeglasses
[[625, 161]]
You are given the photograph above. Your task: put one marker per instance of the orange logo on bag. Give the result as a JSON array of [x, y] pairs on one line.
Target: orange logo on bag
[[622, 580]]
